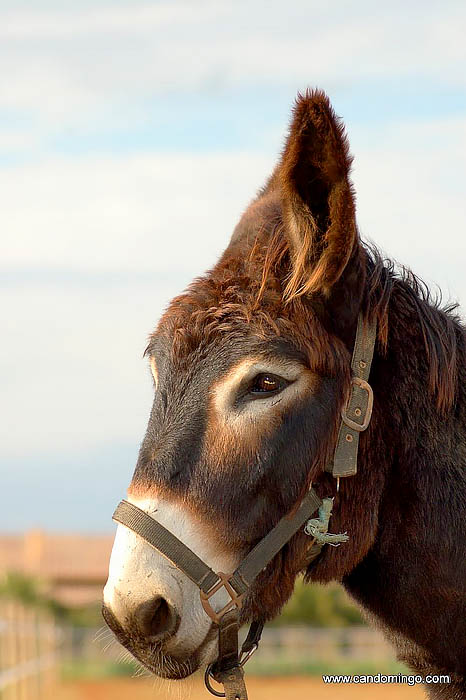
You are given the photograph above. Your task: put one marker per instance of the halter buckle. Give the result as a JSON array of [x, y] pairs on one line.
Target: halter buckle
[[359, 427], [236, 600]]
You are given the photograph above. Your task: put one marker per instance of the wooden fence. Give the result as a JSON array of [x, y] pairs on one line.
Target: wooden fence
[[299, 645], [29, 652]]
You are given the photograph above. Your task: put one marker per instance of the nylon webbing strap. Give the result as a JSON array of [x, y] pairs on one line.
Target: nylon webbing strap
[[357, 412], [166, 543], [272, 543], [202, 575]]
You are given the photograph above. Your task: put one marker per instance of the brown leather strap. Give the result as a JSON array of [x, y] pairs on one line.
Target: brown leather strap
[[356, 414], [227, 669], [254, 636]]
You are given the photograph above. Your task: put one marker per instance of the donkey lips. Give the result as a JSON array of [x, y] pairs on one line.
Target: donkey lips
[[168, 667], [164, 664]]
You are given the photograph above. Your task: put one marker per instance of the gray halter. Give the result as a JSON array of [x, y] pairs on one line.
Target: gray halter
[[228, 669]]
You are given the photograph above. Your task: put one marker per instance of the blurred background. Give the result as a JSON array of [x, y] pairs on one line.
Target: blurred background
[[132, 136]]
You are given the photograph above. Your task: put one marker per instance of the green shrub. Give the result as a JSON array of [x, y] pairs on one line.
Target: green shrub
[[319, 606]]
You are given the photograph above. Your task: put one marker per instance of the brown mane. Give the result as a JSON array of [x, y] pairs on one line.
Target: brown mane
[[439, 324]]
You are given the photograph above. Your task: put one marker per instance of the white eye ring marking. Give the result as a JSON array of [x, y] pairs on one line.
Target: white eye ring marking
[[225, 391]]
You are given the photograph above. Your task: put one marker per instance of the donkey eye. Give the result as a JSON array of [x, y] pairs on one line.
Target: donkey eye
[[266, 384]]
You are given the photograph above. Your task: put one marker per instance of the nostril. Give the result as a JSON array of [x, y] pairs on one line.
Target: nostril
[[156, 618]]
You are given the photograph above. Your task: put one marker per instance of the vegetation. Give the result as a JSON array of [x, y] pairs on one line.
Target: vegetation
[[310, 604], [98, 668], [32, 592], [319, 606]]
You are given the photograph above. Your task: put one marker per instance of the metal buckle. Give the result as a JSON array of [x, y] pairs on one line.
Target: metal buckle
[[359, 427], [236, 600]]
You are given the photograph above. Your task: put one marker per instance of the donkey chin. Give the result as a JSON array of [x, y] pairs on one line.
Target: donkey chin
[[171, 659], [153, 609]]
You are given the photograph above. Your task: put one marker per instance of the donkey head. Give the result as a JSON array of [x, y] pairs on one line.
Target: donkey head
[[250, 366]]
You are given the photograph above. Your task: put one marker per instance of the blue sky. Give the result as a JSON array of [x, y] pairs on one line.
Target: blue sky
[[132, 136]]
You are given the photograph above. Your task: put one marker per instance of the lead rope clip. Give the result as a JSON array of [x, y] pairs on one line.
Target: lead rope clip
[[245, 656]]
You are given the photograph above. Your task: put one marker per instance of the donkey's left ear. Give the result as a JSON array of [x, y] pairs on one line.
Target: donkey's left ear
[[317, 198]]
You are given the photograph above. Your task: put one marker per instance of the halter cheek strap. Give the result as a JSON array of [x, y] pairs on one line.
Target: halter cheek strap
[[357, 412], [228, 668]]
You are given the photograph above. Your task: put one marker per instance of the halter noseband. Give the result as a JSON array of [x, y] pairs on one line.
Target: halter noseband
[[228, 669]]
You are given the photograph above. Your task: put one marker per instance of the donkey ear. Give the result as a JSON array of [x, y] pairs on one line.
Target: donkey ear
[[317, 197]]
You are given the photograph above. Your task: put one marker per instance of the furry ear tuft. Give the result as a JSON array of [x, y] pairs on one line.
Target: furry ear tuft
[[317, 197]]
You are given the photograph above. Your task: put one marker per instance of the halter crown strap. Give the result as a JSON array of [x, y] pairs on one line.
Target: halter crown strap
[[356, 415]]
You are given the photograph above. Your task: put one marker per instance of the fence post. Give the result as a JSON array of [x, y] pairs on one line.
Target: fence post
[[29, 653]]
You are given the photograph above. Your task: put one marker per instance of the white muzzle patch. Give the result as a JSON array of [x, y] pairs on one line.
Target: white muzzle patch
[[139, 573]]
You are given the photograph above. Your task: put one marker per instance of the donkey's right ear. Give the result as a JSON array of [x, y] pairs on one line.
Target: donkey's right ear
[[317, 198]]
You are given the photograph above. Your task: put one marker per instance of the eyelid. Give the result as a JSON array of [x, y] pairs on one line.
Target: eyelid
[[288, 371]]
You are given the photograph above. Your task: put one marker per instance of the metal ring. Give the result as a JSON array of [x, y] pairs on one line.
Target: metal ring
[[207, 676]]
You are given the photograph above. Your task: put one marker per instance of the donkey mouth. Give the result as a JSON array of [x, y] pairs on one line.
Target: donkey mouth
[[154, 657], [166, 665]]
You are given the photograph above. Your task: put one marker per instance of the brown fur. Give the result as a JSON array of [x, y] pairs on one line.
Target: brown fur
[[291, 284]]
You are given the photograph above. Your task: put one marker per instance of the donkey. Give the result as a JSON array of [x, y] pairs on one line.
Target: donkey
[[251, 367]]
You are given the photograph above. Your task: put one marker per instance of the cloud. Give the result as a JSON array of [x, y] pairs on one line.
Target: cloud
[[409, 180], [93, 251], [149, 212], [130, 212], [113, 239], [102, 222], [70, 62]]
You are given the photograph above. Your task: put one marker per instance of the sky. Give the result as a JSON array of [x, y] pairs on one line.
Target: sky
[[132, 137]]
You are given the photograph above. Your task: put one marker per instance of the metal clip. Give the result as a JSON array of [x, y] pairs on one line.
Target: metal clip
[[247, 655]]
